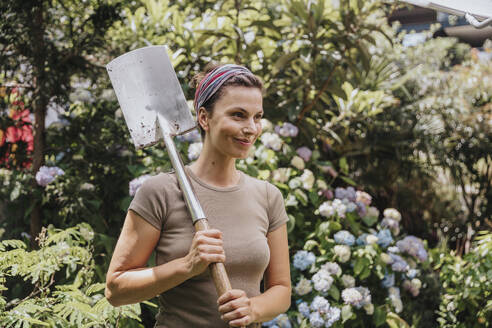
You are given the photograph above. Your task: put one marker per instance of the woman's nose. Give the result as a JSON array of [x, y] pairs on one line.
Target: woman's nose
[[250, 126]]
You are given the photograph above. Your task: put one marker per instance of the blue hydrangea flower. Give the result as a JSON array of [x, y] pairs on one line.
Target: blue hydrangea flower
[[399, 264], [316, 320], [413, 246], [351, 207], [344, 237], [283, 321], [303, 260], [47, 175], [303, 309], [388, 280], [384, 238], [332, 316], [191, 137], [412, 273], [361, 240]]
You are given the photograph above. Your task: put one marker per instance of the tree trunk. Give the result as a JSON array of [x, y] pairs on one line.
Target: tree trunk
[[40, 103]]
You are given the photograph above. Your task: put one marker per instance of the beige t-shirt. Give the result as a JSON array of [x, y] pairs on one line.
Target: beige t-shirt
[[245, 213]]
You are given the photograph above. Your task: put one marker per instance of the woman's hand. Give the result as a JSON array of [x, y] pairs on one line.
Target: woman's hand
[[235, 308], [206, 248]]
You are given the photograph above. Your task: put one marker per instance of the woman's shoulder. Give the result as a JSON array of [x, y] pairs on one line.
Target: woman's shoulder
[[263, 185], [159, 182]]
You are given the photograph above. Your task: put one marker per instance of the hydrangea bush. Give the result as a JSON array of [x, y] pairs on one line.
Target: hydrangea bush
[[351, 263]]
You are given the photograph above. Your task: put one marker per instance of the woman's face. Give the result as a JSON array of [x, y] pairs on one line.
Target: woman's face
[[235, 123]]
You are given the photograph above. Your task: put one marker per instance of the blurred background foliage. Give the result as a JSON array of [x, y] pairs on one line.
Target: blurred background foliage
[[411, 125]]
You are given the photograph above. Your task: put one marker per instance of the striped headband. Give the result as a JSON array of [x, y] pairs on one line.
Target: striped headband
[[214, 80]]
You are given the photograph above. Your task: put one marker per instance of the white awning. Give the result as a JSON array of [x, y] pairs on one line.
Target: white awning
[[479, 8]]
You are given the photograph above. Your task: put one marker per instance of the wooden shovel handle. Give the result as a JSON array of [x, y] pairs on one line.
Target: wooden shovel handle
[[217, 270]]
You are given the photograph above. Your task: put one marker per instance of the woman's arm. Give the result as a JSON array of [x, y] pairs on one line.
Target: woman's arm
[[129, 280], [235, 306]]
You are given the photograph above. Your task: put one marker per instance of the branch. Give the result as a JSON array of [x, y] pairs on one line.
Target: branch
[[318, 95]]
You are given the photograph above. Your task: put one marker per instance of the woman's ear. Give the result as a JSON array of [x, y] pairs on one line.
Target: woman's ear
[[203, 117]]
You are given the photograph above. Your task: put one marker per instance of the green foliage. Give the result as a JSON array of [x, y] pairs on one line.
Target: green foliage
[[467, 285], [60, 274]]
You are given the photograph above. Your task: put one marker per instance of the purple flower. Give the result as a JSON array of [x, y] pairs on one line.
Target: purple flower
[[349, 193], [399, 264], [287, 130], [137, 183], [328, 194], [191, 137], [305, 153], [46, 175], [412, 246], [361, 209]]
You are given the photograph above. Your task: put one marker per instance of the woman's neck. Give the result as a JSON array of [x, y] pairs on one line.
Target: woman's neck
[[216, 170]]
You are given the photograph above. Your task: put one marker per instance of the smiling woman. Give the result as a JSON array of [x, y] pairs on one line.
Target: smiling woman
[[248, 214]]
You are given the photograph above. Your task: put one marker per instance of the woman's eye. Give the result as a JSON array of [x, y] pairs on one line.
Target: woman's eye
[[237, 114]]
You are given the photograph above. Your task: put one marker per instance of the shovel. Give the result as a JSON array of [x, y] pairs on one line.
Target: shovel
[[155, 108]]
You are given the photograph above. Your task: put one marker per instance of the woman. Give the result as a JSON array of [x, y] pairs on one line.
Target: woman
[[248, 217]]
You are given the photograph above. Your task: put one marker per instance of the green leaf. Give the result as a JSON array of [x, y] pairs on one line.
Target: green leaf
[[334, 292], [369, 220], [346, 313], [379, 316]]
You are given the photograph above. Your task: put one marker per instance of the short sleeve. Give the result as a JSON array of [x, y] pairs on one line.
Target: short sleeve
[[148, 203], [277, 216]]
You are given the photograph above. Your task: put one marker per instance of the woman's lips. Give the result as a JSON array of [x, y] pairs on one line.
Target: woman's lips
[[244, 142]]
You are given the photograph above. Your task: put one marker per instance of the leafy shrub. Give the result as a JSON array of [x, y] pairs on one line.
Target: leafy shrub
[[60, 274], [467, 285]]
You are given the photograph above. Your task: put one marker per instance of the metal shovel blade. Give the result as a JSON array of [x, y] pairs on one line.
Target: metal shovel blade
[[147, 87]]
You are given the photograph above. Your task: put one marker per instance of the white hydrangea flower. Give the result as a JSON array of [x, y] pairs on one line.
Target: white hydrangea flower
[[281, 174], [342, 252], [271, 140], [326, 209], [295, 183], [333, 268], [394, 296], [351, 296], [298, 163], [194, 150], [266, 125], [322, 281], [348, 281], [386, 258], [369, 308], [307, 179], [291, 200], [303, 287], [363, 197], [320, 304], [340, 207], [416, 283], [321, 184], [392, 213], [371, 239]]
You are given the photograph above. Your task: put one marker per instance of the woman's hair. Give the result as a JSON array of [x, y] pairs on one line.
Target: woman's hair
[[239, 80]]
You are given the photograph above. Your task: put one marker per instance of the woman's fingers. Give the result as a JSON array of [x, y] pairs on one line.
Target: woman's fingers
[[242, 322], [235, 307], [230, 295]]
